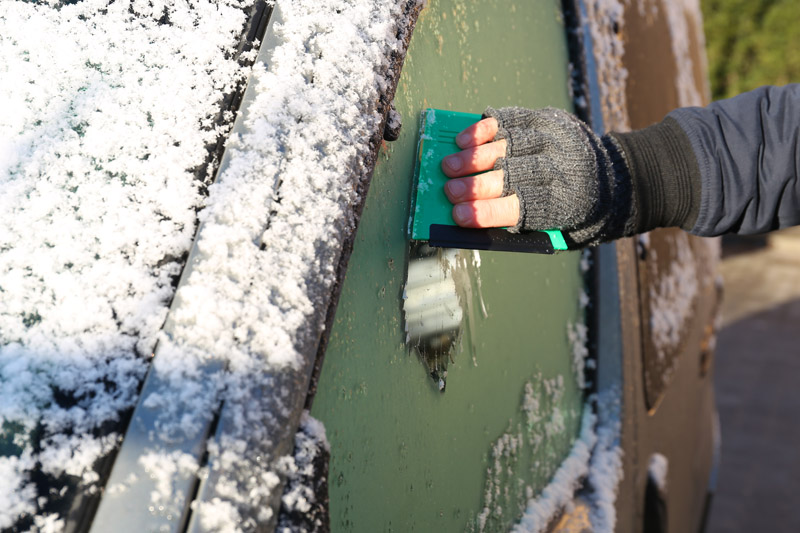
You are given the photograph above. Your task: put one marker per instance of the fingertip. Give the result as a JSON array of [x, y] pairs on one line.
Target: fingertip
[[491, 126], [455, 190], [452, 165], [464, 215], [481, 132], [464, 139], [492, 213]]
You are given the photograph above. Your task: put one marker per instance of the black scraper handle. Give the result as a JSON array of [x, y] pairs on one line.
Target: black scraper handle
[[494, 239]]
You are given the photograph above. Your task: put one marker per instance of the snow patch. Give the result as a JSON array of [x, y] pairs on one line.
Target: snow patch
[[592, 471], [20, 499], [162, 467], [49, 523], [657, 470], [586, 260], [578, 335], [647, 9], [540, 511], [245, 324], [112, 115], [684, 17], [606, 20], [541, 432], [304, 498], [605, 468], [217, 515], [672, 298], [106, 120], [578, 332]]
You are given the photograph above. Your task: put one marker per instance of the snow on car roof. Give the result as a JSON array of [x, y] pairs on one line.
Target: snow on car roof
[[296, 171], [110, 109], [109, 106]]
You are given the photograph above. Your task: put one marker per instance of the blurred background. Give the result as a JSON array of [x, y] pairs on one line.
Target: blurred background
[[752, 43]]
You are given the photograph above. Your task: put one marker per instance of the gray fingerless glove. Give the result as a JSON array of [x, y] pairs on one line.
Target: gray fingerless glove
[[593, 188], [564, 175]]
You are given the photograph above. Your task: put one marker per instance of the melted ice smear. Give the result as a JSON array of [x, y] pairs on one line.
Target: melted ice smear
[[431, 307], [112, 105], [440, 299]]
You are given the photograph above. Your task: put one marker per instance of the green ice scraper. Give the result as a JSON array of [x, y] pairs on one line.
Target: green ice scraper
[[432, 218]]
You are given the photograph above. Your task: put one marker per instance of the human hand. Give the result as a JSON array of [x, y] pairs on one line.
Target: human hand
[[541, 169], [478, 199]]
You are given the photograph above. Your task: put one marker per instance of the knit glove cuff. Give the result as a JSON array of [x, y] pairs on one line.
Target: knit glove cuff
[[565, 176], [665, 175]]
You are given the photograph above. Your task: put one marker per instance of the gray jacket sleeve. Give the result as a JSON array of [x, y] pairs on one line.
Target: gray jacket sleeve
[[748, 155]]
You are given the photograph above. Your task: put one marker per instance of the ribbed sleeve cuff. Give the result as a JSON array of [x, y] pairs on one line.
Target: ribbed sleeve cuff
[[665, 175]]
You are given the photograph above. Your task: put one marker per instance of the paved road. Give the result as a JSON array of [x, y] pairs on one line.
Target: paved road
[[758, 388]]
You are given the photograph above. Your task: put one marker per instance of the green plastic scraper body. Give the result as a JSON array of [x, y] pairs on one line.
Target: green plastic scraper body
[[432, 218]]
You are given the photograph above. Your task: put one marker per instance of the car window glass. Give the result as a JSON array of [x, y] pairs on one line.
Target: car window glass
[[454, 423]]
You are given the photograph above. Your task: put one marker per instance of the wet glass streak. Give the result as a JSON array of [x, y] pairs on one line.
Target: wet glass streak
[[433, 313], [442, 288]]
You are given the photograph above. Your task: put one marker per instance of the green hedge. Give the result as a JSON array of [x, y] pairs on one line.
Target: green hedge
[[751, 43]]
